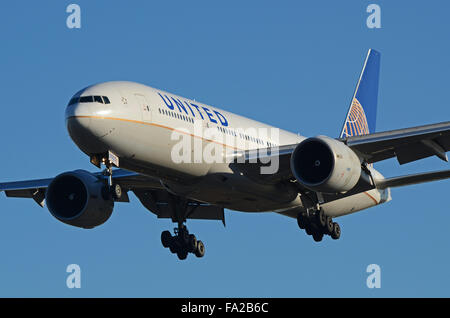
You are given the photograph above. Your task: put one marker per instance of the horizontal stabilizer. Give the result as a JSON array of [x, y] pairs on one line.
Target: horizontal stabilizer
[[412, 179]]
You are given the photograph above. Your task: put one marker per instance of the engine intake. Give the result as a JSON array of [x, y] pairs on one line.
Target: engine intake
[[323, 164], [78, 198]]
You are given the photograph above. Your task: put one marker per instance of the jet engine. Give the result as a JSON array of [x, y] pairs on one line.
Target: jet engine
[[324, 164], [80, 199]]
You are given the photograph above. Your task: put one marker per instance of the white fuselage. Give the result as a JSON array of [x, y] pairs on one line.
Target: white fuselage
[[184, 144]]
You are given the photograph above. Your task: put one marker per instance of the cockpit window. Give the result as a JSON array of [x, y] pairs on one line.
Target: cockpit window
[[90, 99], [86, 99]]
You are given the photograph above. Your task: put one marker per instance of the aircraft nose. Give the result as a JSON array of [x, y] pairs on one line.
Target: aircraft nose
[[78, 118], [79, 126], [84, 126]]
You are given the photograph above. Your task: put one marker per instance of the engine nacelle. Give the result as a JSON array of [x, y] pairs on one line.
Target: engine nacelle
[[78, 198], [324, 164]]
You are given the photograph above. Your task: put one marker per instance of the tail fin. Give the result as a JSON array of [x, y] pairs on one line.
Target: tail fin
[[362, 114]]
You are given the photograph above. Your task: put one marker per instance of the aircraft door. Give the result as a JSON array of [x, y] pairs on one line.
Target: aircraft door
[[146, 111]]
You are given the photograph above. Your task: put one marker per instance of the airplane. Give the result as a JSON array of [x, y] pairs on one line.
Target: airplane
[[159, 146]]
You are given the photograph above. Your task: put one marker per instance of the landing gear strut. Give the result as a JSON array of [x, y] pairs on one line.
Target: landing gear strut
[[318, 224], [113, 189], [182, 243]]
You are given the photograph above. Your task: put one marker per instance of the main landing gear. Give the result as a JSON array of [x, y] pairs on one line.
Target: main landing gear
[[318, 224], [182, 243]]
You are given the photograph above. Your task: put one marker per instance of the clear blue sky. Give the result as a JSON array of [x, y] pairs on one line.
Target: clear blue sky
[[289, 64]]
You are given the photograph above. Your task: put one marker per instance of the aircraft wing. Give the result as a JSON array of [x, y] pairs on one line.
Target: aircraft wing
[[406, 145], [412, 179], [17, 187], [149, 191], [35, 189], [121, 176], [255, 163]]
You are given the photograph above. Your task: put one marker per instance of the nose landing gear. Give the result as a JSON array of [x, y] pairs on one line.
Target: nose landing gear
[[182, 243]]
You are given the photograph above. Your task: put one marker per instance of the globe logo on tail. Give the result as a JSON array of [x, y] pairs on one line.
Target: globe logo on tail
[[356, 123]]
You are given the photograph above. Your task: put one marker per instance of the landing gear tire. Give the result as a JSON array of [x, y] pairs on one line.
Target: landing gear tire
[[173, 247], [317, 236], [116, 191], [182, 243], [321, 218], [200, 250], [192, 243], [308, 230], [166, 239], [336, 234], [330, 225], [301, 221], [182, 254]]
